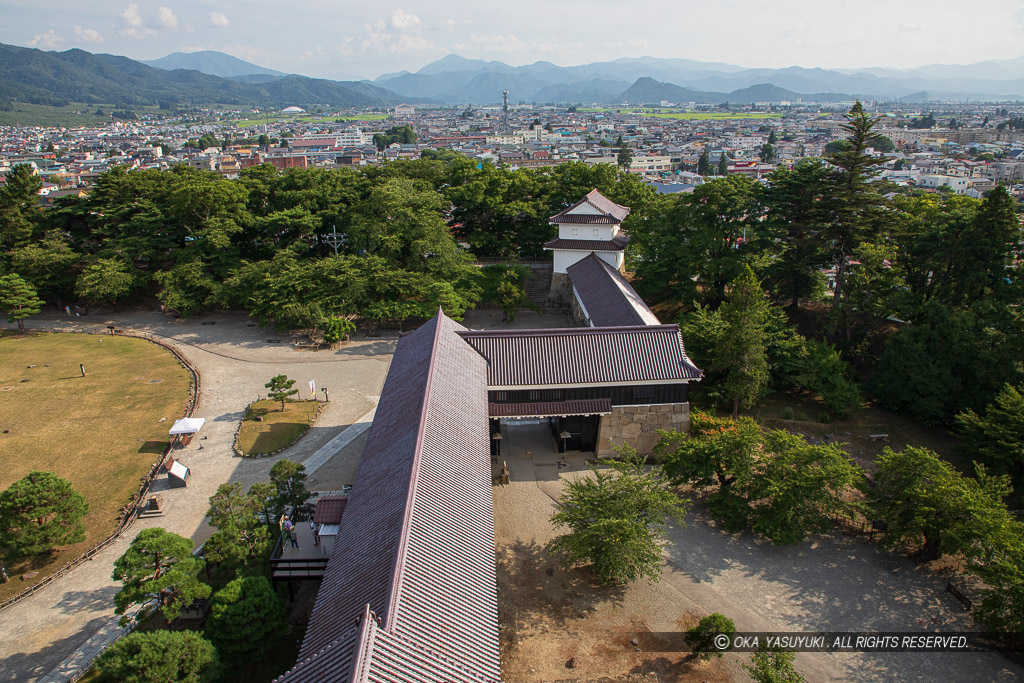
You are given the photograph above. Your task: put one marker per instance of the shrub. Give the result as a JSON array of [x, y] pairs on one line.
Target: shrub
[[788, 413], [160, 656], [245, 618], [702, 636]]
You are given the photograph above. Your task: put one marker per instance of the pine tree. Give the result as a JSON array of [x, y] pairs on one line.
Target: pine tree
[[38, 512], [723, 164], [742, 349], [703, 163], [280, 388], [19, 299]]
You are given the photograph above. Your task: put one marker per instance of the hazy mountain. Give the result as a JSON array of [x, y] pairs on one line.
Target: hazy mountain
[[212, 63], [454, 79], [57, 78]]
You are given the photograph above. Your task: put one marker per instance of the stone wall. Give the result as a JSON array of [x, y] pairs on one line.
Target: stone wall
[[579, 318], [561, 291], [638, 426]]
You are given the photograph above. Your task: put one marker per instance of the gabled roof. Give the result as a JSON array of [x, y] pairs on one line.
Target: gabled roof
[[611, 212], [607, 297], [583, 356], [416, 543]]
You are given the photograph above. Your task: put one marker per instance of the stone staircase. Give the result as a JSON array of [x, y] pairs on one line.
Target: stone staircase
[[538, 285]]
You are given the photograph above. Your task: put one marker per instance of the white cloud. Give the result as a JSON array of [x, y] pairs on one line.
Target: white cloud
[[49, 38], [132, 25], [166, 17], [403, 21], [446, 25], [87, 35], [219, 20]]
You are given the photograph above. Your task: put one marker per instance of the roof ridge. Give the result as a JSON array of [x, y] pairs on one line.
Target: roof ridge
[[559, 331], [395, 594]]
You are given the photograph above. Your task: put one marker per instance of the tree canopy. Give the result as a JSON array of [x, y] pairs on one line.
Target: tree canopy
[[39, 512], [158, 565]]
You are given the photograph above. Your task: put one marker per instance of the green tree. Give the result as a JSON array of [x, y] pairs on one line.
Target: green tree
[[624, 158], [240, 540], [158, 565], [769, 665], [289, 478], [159, 657], [996, 438], [18, 298], [858, 203], [703, 162], [280, 388], [767, 153], [246, 618], [772, 138], [511, 295], [718, 452], [39, 512], [265, 496], [723, 164], [742, 348], [337, 329], [616, 520], [928, 504], [701, 638], [19, 206], [47, 264], [104, 281], [798, 488]]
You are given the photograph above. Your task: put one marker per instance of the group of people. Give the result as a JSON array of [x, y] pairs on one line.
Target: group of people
[[289, 533]]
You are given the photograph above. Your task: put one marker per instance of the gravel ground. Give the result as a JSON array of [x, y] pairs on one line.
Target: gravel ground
[[835, 584], [235, 360]]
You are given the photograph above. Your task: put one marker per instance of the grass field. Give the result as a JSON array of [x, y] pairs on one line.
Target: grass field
[[277, 429], [74, 114], [101, 432], [307, 118]]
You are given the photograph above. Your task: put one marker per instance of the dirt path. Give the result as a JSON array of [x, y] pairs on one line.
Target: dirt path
[[235, 360]]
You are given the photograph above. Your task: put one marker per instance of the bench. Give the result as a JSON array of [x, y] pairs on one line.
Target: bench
[[879, 437]]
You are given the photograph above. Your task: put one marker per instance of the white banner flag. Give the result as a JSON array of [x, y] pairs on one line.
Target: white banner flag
[[312, 388]]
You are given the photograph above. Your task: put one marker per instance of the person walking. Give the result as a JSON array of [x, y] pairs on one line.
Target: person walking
[[312, 527], [67, 309]]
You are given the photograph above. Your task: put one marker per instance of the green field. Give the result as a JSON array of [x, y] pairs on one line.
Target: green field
[[102, 432], [307, 118], [23, 114]]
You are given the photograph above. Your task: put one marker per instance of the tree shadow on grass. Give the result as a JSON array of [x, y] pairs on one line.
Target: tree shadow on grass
[[153, 447], [533, 587]]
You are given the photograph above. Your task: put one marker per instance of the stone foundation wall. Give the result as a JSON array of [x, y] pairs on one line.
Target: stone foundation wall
[[638, 426], [561, 291], [579, 318]]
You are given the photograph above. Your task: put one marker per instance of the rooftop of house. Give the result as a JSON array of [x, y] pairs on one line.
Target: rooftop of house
[[607, 296]]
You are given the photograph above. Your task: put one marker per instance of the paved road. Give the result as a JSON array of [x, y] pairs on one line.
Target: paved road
[[235, 360]]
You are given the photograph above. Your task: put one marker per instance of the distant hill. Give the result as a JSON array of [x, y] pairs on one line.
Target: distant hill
[[647, 90], [57, 78], [456, 80], [211, 63]]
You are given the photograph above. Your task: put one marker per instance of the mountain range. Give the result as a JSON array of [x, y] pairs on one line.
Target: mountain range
[[454, 79], [35, 76], [58, 78]]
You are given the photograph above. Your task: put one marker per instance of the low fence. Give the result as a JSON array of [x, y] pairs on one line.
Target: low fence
[[129, 511]]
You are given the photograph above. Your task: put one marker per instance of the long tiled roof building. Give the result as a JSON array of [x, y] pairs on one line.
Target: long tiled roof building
[[409, 593], [410, 590]]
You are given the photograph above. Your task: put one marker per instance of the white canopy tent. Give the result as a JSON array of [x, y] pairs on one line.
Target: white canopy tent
[[187, 425]]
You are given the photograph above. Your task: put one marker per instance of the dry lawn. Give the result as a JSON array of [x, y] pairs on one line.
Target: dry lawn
[[102, 432], [277, 429]]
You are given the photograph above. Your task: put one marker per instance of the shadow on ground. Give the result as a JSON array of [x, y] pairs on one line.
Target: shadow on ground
[[34, 665]]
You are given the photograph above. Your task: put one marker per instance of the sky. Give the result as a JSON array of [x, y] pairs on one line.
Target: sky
[[345, 38]]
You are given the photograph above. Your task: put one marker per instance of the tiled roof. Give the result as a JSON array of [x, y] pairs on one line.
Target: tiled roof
[[617, 243], [598, 201], [416, 543], [586, 219], [599, 406], [607, 297], [329, 509], [583, 355]]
